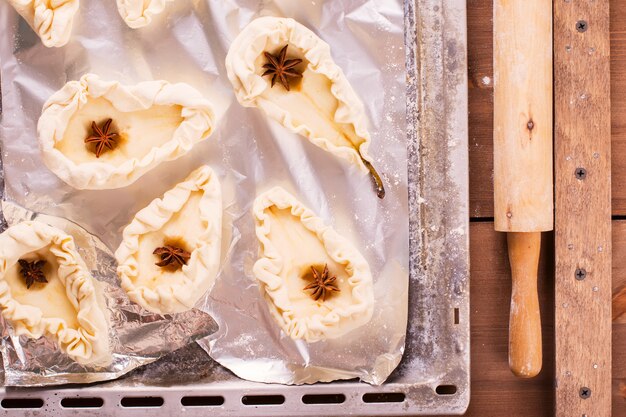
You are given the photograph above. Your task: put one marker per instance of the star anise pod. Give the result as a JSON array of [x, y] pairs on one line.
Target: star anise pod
[[31, 272], [281, 68], [172, 255], [102, 137], [323, 284]]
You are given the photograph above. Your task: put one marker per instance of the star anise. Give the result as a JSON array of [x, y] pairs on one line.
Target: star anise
[[172, 255], [102, 137], [31, 272], [323, 284], [281, 68]]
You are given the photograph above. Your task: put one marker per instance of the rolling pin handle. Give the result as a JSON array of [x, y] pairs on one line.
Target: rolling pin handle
[[525, 355]]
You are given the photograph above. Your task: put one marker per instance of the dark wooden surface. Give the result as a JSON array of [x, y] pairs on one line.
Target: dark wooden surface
[[618, 105], [495, 392]]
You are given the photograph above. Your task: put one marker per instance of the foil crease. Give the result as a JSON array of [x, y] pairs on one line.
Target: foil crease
[[188, 43], [137, 337]]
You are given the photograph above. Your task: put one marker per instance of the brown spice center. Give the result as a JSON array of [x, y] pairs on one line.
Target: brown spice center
[[172, 256], [32, 272], [323, 285], [282, 69], [102, 137]]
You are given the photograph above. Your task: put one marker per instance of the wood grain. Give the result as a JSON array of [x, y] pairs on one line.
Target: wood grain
[[583, 208], [480, 95], [618, 104], [496, 392], [619, 368], [619, 305], [480, 58], [522, 136], [525, 356], [619, 324], [523, 183]]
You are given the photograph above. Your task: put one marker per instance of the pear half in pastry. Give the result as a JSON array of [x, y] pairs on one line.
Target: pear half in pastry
[[316, 283], [139, 13], [287, 71], [170, 252], [46, 290], [97, 134], [51, 20]]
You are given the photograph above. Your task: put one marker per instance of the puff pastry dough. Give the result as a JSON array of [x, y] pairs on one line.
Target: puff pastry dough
[[52, 20], [323, 107], [139, 13], [292, 240], [157, 121], [66, 309], [188, 216]]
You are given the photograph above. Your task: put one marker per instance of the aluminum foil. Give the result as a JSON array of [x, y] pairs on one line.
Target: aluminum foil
[[188, 43], [137, 336], [367, 41]]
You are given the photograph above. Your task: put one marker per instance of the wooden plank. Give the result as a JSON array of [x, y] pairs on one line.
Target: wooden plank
[[583, 202], [480, 46], [495, 391], [618, 104], [619, 274], [527, 397], [480, 96], [619, 323], [619, 369]]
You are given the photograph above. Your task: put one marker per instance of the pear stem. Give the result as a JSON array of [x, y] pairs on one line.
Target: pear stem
[[376, 180]]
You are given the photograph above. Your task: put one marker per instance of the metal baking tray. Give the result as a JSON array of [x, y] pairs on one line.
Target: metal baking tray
[[433, 377]]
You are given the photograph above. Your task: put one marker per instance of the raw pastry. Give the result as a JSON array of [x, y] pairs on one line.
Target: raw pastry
[[316, 283], [170, 253], [52, 20], [97, 134], [139, 13], [46, 290], [287, 71]]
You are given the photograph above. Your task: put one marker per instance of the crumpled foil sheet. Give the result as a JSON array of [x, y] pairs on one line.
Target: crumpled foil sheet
[[188, 43], [137, 336]]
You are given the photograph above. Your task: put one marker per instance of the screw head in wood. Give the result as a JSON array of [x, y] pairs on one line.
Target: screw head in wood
[[580, 274], [584, 393], [581, 173], [582, 26]]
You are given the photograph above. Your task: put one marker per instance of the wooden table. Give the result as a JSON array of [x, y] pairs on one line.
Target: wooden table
[[495, 391]]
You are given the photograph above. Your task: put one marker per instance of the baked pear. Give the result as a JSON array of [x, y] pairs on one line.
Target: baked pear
[[97, 134], [317, 285], [47, 290], [139, 13], [51, 20], [286, 70], [170, 253]]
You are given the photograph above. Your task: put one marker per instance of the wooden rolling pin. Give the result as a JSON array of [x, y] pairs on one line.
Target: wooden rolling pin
[[523, 161]]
